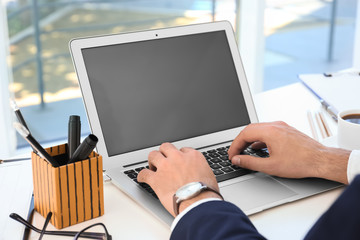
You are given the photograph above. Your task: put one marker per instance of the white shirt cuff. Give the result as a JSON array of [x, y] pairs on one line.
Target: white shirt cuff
[[195, 204], [353, 167]]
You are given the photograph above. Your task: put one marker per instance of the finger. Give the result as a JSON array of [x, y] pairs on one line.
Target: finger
[[258, 145], [252, 163], [186, 149], [146, 176], [154, 159], [252, 133], [167, 148]]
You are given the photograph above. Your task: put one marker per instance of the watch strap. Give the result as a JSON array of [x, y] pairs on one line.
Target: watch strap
[[176, 202]]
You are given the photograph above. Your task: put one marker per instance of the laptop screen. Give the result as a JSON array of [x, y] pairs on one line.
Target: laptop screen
[[164, 90]]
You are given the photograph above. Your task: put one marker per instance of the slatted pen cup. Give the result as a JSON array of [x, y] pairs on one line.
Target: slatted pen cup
[[73, 192]]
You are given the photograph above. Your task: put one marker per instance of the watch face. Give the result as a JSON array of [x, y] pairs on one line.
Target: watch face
[[188, 190]]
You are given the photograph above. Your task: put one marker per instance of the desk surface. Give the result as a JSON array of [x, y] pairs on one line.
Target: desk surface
[[125, 219]]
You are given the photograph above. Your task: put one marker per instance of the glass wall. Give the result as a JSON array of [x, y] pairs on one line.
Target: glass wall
[[307, 36], [44, 83], [301, 36]]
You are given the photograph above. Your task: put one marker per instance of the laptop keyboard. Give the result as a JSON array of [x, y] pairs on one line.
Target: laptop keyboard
[[218, 160]]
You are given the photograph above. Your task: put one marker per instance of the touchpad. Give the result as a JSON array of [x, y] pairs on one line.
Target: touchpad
[[256, 192]]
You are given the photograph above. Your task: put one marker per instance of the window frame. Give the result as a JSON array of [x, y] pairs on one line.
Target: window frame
[[251, 41], [8, 137], [356, 60]]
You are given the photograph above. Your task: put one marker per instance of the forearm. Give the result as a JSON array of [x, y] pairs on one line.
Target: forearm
[[333, 164], [203, 195], [215, 220]]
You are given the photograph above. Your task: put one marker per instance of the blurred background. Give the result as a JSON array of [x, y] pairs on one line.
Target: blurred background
[[297, 36]]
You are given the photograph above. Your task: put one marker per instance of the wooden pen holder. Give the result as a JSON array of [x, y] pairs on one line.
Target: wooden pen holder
[[72, 192]]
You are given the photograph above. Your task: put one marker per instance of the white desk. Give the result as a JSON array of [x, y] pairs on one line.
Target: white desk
[[127, 220]]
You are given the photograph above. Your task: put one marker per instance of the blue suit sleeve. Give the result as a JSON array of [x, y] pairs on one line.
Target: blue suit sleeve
[[342, 220], [215, 220]]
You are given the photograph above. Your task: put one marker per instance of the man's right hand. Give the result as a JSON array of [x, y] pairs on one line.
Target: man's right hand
[[292, 153]]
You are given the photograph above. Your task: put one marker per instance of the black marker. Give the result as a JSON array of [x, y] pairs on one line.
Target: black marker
[[19, 116], [31, 140], [74, 131], [85, 148]]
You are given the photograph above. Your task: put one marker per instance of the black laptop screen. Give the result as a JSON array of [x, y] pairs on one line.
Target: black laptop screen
[[164, 90]]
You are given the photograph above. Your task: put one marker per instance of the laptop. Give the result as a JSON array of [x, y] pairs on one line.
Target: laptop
[[185, 85]]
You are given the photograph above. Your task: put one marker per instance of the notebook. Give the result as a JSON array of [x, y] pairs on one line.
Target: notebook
[[340, 90], [184, 85]]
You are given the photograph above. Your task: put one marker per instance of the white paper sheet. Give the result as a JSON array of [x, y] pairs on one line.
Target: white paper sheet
[[15, 196]]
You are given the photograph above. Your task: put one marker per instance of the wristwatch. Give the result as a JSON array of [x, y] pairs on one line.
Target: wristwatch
[[189, 191]]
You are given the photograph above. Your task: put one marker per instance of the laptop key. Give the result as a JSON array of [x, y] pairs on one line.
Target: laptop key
[[224, 157], [236, 167], [139, 169], [227, 169], [225, 164], [216, 160], [215, 166], [212, 151], [144, 185], [129, 171], [214, 155], [218, 172], [221, 149], [238, 173], [132, 175], [223, 153]]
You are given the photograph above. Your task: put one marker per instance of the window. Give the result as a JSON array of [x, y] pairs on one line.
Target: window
[[44, 82], [307, 36], [278, 39]]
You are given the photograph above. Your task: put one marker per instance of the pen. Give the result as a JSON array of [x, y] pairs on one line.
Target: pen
[[13, 160], [74, 130], [85, 148], [329, 109], [19, 115], [31, 140]]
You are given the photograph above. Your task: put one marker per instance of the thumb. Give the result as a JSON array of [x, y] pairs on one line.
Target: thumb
[[252, 163]]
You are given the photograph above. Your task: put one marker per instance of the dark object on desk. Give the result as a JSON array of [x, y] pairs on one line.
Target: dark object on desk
[[85, 148], [27, 136], [74, 131], [19, 115], [29, 218], [13, 160], [90, 235]]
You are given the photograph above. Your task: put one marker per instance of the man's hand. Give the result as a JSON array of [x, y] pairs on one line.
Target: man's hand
[[292, 153], [170, 169]]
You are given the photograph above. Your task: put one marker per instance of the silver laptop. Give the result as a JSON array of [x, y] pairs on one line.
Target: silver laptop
[[184, 85]]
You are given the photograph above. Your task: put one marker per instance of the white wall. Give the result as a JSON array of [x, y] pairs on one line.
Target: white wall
[[356, 63], [252, 41], [7, 133]]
